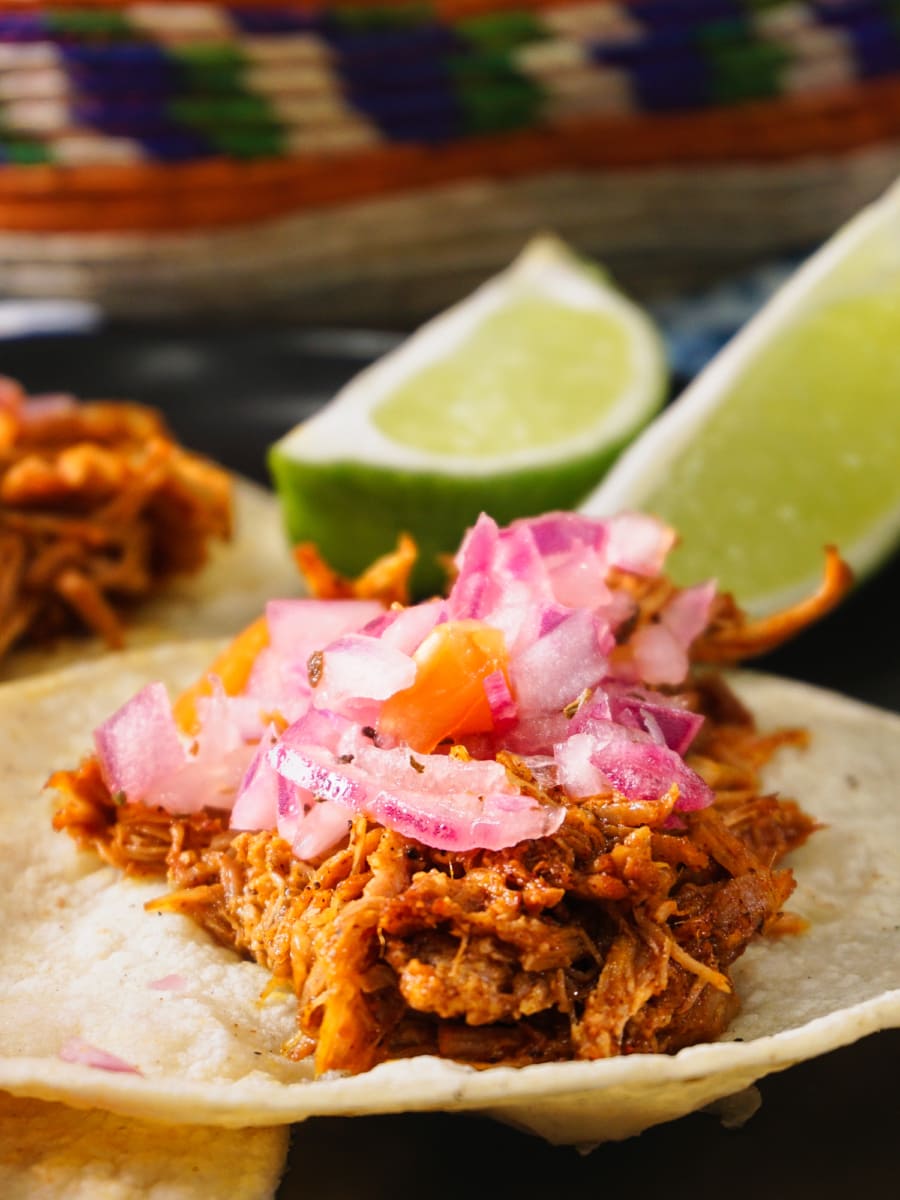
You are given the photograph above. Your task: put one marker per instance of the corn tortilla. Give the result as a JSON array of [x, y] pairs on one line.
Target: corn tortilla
[[50, 1151]]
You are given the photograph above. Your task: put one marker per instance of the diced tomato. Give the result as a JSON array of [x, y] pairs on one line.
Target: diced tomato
[[447, 699]]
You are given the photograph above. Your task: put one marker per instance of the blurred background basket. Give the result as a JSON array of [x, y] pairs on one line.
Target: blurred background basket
[[370, 162]]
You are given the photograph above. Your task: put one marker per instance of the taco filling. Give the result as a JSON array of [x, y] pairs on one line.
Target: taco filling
[[517, 823]]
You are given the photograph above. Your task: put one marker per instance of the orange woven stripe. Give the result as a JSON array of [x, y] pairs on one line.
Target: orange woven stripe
[[220, 193]]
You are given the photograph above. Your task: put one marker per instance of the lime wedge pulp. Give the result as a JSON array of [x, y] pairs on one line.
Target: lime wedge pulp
[[514, 401], [789, 440], [500, 383]]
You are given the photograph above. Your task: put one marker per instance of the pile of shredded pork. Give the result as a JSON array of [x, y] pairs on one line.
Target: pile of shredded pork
[[564, 867], [99, 507]]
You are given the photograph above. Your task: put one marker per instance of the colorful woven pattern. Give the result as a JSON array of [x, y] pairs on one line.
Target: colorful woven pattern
[[183, 117], [618, 83], [173, 81]]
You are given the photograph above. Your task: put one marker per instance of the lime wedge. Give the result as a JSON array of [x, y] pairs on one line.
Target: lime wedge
[[514, 401], [789, 440]]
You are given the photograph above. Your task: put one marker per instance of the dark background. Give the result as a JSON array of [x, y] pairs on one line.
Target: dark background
[[827, 1129]]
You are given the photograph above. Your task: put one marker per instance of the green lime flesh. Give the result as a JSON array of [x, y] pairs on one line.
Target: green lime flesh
[[532, 374], [354, 513], [802, 452]]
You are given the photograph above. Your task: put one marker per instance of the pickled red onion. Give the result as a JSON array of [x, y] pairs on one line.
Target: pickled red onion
[[76, 1050], [543, 584]]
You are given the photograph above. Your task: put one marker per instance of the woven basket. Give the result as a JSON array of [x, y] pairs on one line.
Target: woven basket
[[367, 162]]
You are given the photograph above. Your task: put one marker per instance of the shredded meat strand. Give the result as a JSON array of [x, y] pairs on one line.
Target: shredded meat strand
[[387, 579], [731, 638]]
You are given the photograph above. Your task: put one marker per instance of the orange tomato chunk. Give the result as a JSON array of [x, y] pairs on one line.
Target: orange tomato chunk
[[447, 699]]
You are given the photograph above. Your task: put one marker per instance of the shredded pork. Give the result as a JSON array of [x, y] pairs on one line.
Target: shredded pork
[[99, 507]]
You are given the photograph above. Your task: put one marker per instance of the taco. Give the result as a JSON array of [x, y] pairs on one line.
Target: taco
[[569, 814]]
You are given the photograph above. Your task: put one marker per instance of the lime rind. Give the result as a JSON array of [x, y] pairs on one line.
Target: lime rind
[[344, 431], [861, 260], [354, 511]]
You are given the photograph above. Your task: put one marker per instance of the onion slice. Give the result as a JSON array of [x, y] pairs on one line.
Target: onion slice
[[628, 762], [447, 803], [76, 1050], [168, 983], [123, 744]]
